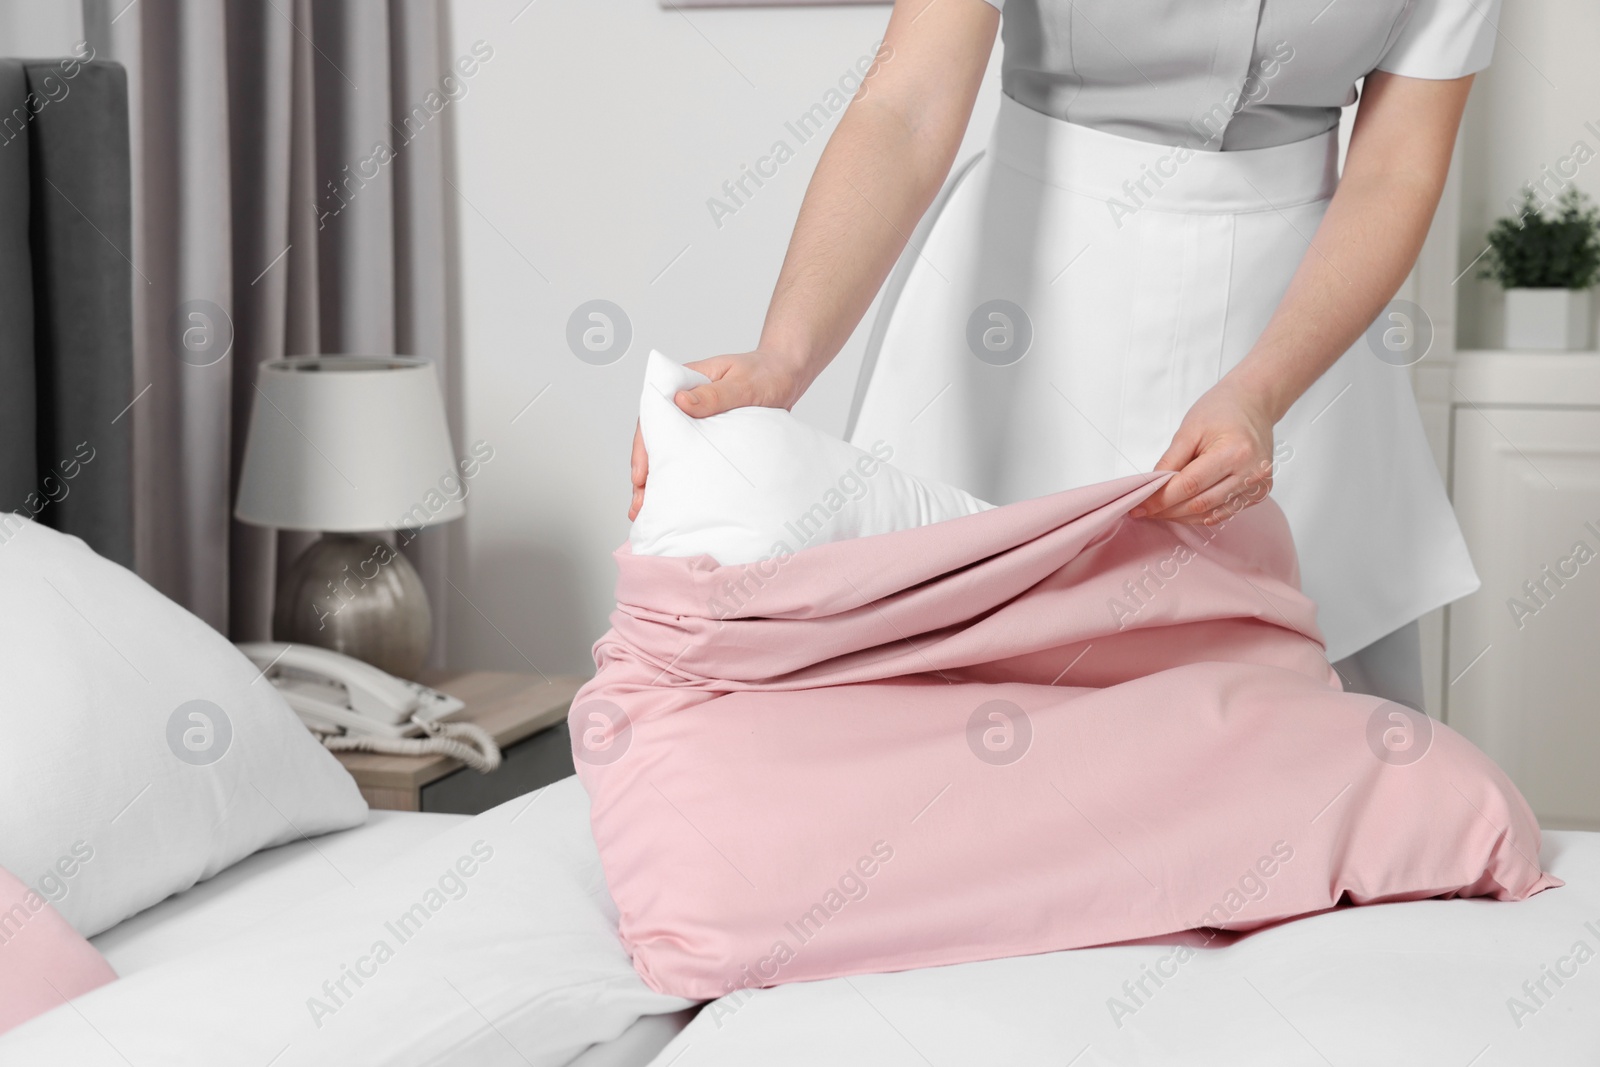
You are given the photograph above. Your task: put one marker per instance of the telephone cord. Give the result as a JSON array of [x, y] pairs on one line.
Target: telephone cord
[[464, 741]]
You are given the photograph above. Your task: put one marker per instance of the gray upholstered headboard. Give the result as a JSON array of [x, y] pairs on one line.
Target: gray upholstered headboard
[[66, 303]]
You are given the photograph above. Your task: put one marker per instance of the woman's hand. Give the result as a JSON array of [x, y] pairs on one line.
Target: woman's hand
[[1400, 148], [1223, 455], [746, 379], [883, 165]]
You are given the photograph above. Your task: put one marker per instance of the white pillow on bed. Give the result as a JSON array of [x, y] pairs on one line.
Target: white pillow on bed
[[754, 483], [139, 754], [491, 944]]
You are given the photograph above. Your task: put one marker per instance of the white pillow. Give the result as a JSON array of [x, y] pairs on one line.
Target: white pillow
[[139, 754], [756, 483], [498, 949]]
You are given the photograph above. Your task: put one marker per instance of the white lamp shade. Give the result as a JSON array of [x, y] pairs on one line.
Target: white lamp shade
[[348, 443]]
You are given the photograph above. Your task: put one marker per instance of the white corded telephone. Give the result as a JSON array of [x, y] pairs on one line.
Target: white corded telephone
[[353, 705]]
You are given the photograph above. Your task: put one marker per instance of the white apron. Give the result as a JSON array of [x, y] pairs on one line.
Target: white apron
[[1130, 302]]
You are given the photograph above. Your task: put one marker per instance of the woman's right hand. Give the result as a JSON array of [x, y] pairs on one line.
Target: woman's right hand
[[745, 379], [883, 165]]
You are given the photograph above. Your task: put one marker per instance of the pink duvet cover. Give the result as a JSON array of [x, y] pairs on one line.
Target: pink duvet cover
[[1042, 727], [44, 962]]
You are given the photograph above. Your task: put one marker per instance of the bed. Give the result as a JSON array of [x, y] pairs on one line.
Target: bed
[[223, 863], [260, 888], [1461, 982], [1464, 983]]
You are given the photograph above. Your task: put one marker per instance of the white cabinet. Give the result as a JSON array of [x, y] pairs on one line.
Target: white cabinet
[[1522, 656]]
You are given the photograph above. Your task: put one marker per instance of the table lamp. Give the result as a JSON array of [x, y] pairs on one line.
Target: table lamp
[[349, 445]]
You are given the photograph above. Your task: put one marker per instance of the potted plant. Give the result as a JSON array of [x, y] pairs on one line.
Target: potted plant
[[1547, 261]]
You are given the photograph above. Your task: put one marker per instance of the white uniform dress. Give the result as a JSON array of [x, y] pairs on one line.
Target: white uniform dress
[[1153, 181]]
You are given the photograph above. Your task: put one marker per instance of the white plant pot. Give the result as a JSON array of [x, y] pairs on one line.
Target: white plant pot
[[1548, 318]]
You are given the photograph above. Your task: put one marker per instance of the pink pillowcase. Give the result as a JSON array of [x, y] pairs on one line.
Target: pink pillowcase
[[1041, 727], [43, 960]]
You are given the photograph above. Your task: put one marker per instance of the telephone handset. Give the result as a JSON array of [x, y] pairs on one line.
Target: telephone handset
[[331, 691], [353, 705]]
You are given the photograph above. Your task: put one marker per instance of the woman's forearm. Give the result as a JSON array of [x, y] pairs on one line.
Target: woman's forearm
[[870, 188], [879, 172], [1358, 259], [1368, 239]]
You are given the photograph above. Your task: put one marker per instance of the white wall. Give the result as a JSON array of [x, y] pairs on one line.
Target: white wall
[[1527, 111], [30, 29], [585, 152], [588, 147]]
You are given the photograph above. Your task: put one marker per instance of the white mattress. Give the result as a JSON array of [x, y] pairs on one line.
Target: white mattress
[[1423, 983], [262, 885], [273, 883], [504, 952], [1403, 984]]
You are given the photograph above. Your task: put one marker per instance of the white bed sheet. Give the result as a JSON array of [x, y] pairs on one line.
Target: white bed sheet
[[1449, 982], [261, 886], [275, 880], [1437, 982]]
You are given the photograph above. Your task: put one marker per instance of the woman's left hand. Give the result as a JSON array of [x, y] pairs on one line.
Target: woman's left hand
[[1222, 453]]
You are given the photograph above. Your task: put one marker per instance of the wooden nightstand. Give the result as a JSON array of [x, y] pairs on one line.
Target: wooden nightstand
[[527, 717]]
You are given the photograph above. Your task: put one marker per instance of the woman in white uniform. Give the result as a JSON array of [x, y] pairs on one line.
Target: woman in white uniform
[[1154, 265]]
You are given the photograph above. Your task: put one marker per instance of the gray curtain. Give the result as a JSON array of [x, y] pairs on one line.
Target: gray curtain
[[282, 208], [65, 294]]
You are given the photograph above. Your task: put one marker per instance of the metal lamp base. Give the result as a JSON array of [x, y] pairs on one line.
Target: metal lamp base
[[357, 595]]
